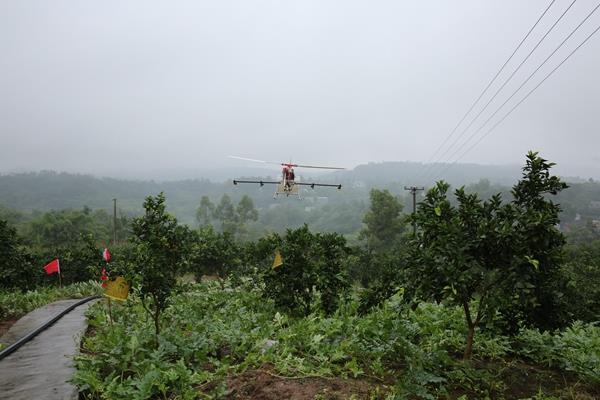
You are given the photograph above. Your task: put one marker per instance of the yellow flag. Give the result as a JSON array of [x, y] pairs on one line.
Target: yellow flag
[[117, 289], [278, 260]]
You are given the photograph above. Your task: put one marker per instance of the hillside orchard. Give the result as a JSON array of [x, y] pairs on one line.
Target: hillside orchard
[[488, 300]]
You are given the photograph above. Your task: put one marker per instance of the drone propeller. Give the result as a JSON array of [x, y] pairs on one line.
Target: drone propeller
[[313, 166], [282, 163], [254, 160]]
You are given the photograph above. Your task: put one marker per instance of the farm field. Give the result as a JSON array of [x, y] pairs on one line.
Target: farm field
[[304, 200], [466, 298], [226, 341]]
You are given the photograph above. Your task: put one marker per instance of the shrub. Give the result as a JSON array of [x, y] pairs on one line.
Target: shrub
[[312, 275]]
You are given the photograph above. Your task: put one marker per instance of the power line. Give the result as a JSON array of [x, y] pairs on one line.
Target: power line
[[490, 83], [493, 80], [507, 80], [524, 98], [525, 82]]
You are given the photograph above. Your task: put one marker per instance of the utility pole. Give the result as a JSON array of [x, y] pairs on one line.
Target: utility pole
[[413, 190], [114, 222]]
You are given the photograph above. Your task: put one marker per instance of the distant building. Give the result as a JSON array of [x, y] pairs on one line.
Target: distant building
[[595, 204]]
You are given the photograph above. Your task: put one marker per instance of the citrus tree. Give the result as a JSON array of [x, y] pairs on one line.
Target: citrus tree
[[489, 255], [384, 223], [313, 265], [15, 263], [213, 253], [160, 247]]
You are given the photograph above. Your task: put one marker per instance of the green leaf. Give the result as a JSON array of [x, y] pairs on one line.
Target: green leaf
[[534, 262], [438, 211]]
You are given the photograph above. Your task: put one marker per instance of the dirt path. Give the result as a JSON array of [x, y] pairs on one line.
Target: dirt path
[[41, 368]]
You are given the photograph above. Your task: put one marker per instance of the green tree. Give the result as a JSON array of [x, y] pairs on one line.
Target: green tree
[[582, 274], [80, 260], [205, 211], [161, 247], [213, 253], [225, 213], [384, 222], [15, 264], [386, 277], [313, 265], [542, 301], [486, 254], [245, 213], [460, 252], [62, 228], [583, 233], [13, 217]]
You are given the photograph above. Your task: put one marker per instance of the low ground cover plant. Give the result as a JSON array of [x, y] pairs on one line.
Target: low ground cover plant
[[15, 303], [212, 333]]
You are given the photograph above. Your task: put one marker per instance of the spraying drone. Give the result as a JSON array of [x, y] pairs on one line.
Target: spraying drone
[[287, 185]]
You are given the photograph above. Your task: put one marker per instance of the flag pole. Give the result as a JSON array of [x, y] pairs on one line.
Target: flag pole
[[59, 275], [106, 256]]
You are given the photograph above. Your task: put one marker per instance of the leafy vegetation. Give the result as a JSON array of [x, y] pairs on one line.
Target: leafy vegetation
[[13, 258], [160, 247], [212, 334], [502, 255], [384, 222], [581, 274], [14, 304], [213, 253], [226, 217], [312, 269], [373, 308]]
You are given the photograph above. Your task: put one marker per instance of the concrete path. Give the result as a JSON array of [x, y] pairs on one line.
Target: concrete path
[[41, 368]]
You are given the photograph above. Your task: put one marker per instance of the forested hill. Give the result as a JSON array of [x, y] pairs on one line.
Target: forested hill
[[51, 190], [416, 173]]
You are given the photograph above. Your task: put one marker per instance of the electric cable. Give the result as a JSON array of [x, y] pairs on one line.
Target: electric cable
[[524, 98], [507, 80], [491, 82]]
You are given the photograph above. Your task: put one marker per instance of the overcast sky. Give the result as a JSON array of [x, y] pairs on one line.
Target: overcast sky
[[148, 89]]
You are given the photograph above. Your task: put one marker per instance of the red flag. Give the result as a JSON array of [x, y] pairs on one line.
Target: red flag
[[106, 255], [103, 277], [52, 267]]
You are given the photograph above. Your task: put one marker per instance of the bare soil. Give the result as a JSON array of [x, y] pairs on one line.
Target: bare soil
[[264, 384], [515, 380], [519, 380]]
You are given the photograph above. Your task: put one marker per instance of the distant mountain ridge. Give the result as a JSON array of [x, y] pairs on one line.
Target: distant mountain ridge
[[426, 174], [53, 190]]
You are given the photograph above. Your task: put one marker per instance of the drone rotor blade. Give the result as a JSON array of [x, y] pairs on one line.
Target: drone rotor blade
[[247, 159], [314, 166], [282, 163], [254, 160]]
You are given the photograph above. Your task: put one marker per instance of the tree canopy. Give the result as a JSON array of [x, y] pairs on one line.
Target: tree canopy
[[384, 221], [161, 246], [489, 254]]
